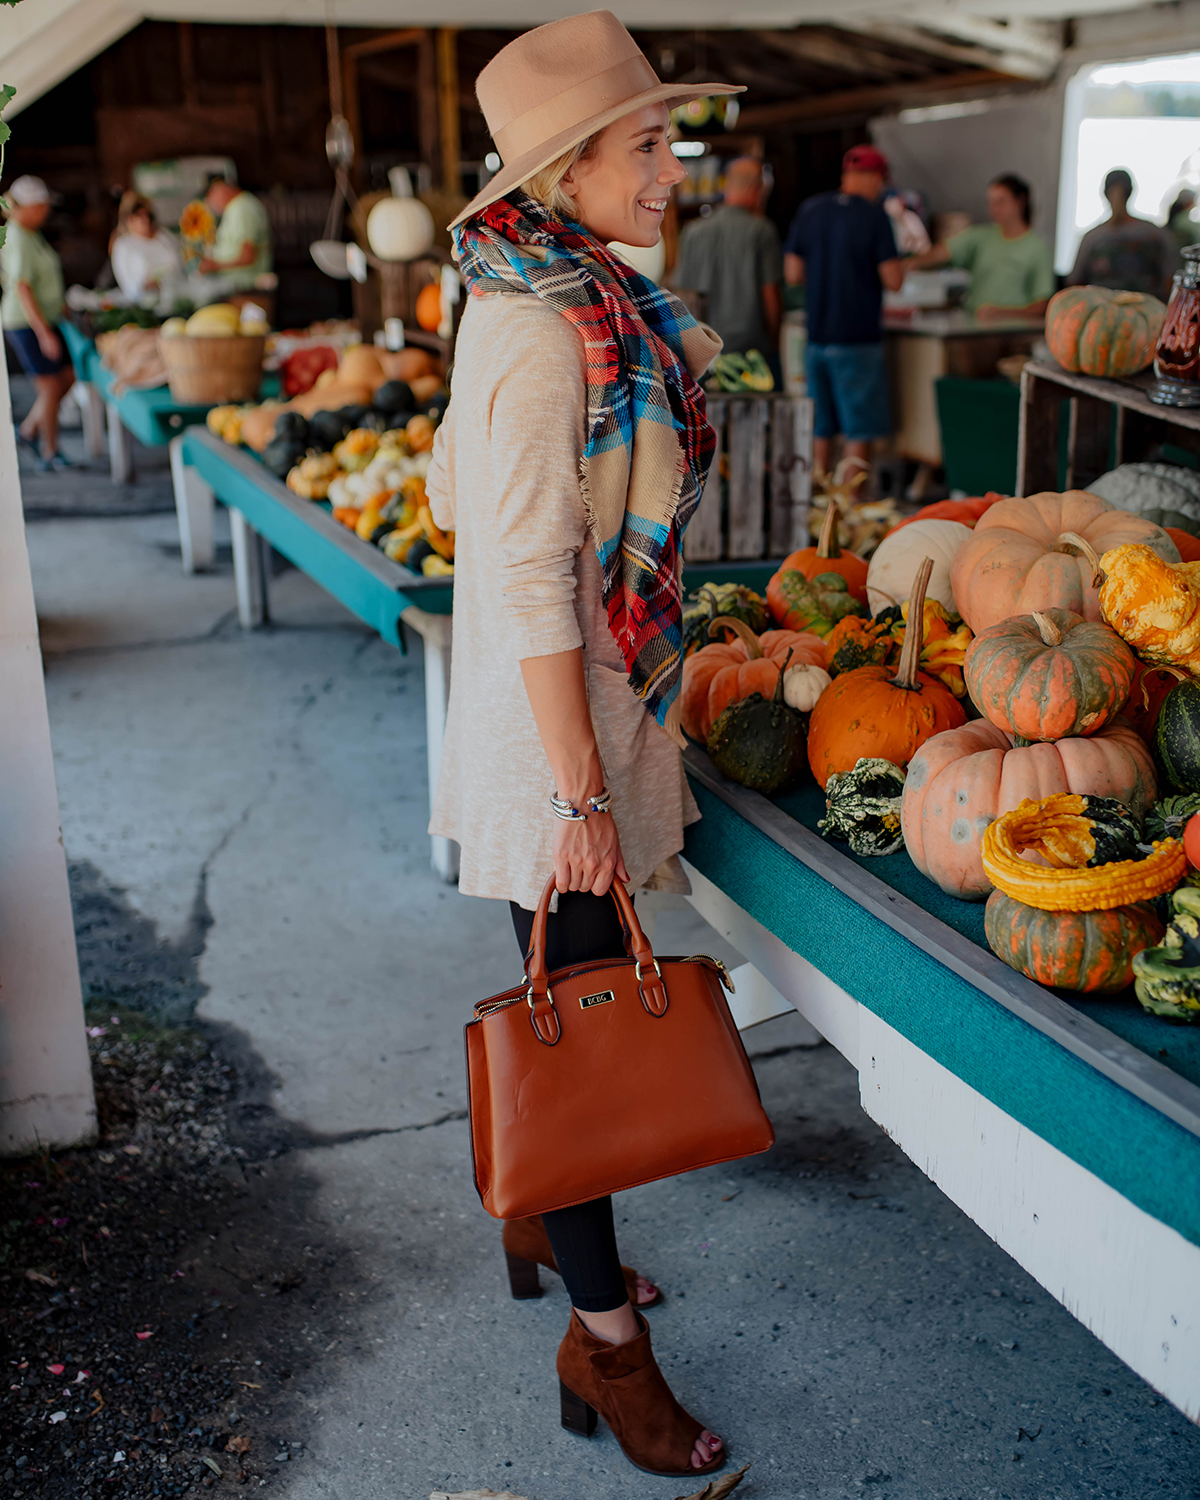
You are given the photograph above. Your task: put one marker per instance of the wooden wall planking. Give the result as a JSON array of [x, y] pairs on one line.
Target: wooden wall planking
[[748, 421], [702, 541], [791, 476]]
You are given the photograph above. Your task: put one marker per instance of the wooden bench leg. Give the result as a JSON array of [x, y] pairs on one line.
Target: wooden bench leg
[[120, 447], [435, 632], [91, 410], [249, 571], [194, 505]]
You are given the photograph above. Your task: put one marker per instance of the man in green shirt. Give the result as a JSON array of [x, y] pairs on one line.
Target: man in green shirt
[[29, 311], [241, 251], [1012, 273]]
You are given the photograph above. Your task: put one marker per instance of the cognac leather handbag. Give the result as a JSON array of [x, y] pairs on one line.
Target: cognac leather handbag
[[604, 1075]]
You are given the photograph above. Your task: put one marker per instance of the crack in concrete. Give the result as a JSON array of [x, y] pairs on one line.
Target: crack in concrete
[[783, 1051], [170, 644]]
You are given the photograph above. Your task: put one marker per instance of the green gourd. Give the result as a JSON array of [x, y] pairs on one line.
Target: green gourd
[[714, 600], [1177, 737], [862, 807], [1167, 979], [760, 742], [1168, 818], [816, 604], [1116, 829]]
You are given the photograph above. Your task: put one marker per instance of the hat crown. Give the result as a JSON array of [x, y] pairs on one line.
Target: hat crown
[[557, 75]]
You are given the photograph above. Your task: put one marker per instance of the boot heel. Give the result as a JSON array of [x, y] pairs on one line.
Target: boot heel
[[522, 1277], [577, 1415]]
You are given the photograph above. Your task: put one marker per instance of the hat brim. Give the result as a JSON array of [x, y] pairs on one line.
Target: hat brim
[[522, 168]]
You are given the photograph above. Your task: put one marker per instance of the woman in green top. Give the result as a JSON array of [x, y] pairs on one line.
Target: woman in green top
[[31, 307], [1012, 273]]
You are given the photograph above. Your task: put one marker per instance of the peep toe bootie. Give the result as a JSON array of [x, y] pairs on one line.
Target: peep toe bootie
[[622, 1382], [527, 1246]]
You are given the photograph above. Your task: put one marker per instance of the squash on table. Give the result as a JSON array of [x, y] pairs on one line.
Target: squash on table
[[960, 781], [1167, 494], [759, 742], [943, 645], [361, 365], [1168, 819], [862, 807], [1187, 542], [713, 599], [1177, 737], [966, 511], [812, 604], [803, 685], [874, 713], [1090, 951], [826, 557], [1049, 674], [1167, 978], [1093, 330], [400, 227], [898, 557], [1058, 829], [1153, 604], [854, 642], [729, 670], [1151, 685], [428, 308], [1029, 554]]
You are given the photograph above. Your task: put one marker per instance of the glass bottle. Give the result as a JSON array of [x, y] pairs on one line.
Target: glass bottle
[[1177, 357]]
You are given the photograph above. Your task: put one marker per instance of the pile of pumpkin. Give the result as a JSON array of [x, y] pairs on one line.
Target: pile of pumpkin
[[1016, 750], [367, 457]]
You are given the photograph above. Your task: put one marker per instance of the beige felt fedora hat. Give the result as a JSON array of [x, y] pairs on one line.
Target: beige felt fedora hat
[[558, 84]]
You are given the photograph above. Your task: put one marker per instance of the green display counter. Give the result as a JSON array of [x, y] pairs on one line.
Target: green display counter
[[1068, 1129]]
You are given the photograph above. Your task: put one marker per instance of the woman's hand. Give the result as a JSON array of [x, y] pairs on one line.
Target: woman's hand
[[49, 343], [588, 855]]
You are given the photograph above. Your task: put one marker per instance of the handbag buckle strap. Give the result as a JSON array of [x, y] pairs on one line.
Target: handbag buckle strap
[[544, 1017], [653, 992]]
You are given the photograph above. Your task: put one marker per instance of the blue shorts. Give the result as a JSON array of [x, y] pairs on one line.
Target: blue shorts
[[848, 382], [29, 352]]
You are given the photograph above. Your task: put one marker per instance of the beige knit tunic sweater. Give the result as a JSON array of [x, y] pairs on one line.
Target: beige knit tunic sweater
[[505, 478]]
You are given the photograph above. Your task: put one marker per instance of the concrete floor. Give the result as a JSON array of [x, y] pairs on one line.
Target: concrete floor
[[256, 804]]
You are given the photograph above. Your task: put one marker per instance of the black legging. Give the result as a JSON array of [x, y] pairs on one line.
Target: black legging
[[583, 1238]]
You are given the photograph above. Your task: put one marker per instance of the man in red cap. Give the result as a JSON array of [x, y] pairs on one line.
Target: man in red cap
[[842, 247]]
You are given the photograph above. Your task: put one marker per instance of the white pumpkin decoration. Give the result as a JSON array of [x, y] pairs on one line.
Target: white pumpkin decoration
[[803, 684], [400, 227], [896, 560]]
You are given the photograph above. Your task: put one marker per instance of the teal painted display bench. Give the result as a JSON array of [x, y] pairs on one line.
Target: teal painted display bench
[[1069, 1129]]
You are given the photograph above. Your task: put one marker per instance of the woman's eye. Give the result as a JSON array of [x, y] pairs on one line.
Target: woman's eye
[[647, 145]]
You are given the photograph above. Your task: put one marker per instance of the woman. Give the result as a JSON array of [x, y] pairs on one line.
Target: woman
[[144, 257], [1012, 273], [568, 485], [30, 310]]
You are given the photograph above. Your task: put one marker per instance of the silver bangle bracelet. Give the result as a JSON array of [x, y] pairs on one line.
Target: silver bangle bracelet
[[563, 808]]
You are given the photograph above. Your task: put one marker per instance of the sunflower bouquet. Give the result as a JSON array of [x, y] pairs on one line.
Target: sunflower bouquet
[[197, 230]]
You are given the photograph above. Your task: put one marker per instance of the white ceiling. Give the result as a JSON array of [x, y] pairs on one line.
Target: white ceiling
[[44, 41]]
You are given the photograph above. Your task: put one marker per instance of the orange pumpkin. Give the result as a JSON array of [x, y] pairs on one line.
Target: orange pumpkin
[[1047, 676], [959, 782], [966, 511], [826, 557], [429, 307], [1091, 951], [871, 712], [1189, 545], [1023, 556], [1092, 330], [730, 670]]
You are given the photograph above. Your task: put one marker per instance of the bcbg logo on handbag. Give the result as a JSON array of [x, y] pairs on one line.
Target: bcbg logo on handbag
[[587, 1001]]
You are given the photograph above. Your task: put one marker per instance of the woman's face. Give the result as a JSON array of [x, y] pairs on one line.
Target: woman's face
[[142, 223], [621, 191]]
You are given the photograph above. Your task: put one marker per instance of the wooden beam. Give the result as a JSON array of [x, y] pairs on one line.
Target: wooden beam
[[409, 37], [427, 99], [916, 37], [807, 45], [865, 101], [187, 64], [448, 106]]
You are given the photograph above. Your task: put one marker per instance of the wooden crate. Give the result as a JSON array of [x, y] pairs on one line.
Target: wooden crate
[[755, 503]]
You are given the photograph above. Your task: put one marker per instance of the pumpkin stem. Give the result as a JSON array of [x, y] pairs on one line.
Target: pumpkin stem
[[914, 633], [827, 542], [1081, 544], [741, 630], [1050, 633], [778, 698]]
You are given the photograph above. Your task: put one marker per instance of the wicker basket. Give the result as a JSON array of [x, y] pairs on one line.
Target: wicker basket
[[212, 371]]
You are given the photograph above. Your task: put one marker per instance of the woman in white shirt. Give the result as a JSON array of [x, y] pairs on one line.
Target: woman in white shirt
[[144, 257]]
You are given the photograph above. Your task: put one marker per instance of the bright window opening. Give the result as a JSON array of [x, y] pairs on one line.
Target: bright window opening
[[1143, 116]]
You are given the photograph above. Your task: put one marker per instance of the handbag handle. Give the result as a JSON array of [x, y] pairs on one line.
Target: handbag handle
[[651, 988]]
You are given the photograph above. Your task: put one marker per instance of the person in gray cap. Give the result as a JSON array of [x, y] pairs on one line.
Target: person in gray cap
[[29, 312]]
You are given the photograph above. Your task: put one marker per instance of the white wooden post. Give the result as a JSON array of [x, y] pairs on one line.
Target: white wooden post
[[46, 1094], [194, 505], [436, 632], [120, 450], [249, 574], [91, 410]]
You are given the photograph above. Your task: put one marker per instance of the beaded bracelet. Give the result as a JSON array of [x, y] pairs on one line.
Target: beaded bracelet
[[563, 808]]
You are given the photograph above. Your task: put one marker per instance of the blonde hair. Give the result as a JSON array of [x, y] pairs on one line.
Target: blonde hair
[[546, 185]]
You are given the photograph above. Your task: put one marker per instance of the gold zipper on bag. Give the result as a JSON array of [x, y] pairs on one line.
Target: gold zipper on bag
[[707, 958]]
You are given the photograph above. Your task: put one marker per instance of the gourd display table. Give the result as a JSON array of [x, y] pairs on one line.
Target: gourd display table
[[1109, 422], [1068, 1129]]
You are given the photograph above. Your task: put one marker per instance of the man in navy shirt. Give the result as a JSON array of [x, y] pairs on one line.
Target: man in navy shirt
[[841, 245]]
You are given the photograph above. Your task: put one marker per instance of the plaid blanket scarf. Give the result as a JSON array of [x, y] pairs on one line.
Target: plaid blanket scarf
[[649, 443]]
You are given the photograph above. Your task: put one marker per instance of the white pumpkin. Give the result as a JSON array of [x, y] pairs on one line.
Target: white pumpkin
[[400, 227], [894, 565], [803, 684]]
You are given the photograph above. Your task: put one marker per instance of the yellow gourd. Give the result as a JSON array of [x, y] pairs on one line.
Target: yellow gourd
[[1055, 828], [1154, 605]]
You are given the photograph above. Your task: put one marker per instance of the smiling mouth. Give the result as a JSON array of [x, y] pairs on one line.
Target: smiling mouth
[[653, 205]]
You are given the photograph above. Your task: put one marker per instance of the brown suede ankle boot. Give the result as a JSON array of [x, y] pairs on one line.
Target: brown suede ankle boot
[[624, 1384], [527, 1246]]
